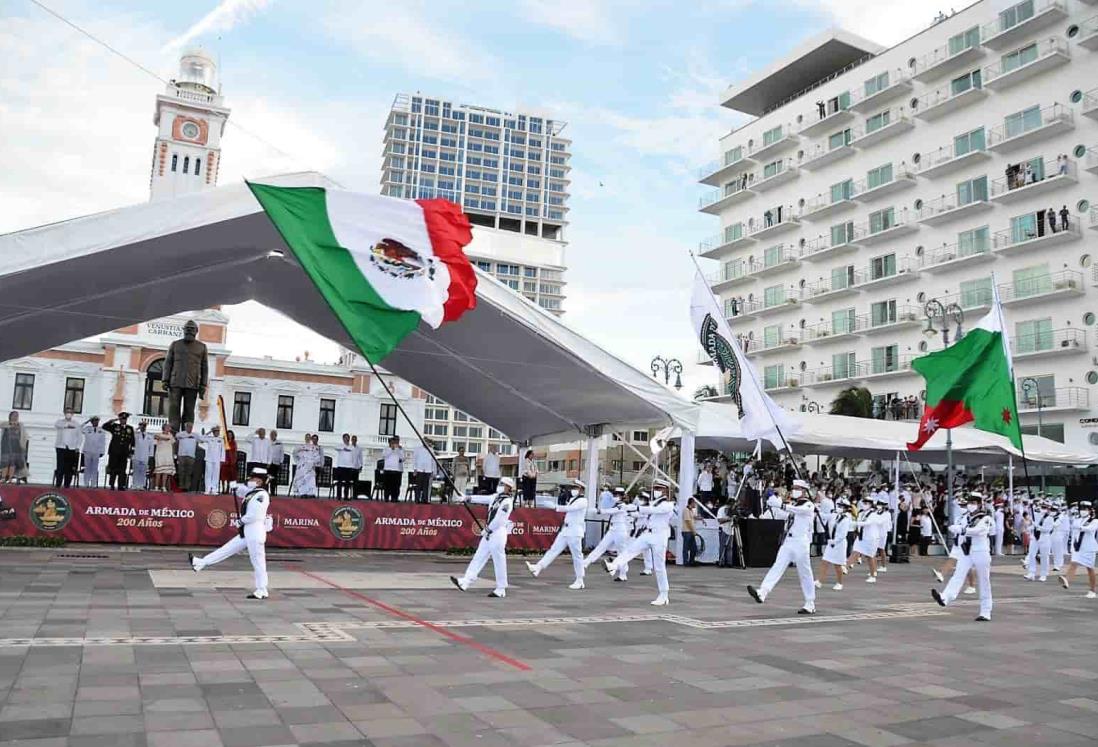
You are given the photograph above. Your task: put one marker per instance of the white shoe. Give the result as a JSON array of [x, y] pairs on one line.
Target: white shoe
[[459, 583], [646, 573], [846, 569], [1064, 581], [882, 569], [871, 580], [534, 570], [1042, 579], [970, 590], [660, 601], [1092, 595], [576, 585], [837, 587], [498, 593], [817, 583], [1028, 577], [608, 565], [938, 575]]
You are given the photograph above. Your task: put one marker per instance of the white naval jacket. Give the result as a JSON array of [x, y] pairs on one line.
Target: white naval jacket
[[498, 523], [801, 522], [1088, 536], [659, 514], [575, 517], [974, 535], [253, 511], [620, 521]]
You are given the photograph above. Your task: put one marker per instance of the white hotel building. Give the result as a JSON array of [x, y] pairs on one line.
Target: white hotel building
[[873, 181]]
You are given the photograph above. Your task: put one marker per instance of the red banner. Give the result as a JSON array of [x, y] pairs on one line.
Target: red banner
[[137, 517]]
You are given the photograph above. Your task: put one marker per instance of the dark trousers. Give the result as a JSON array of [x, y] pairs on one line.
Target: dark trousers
[[689, 548], [924, 543], [341, 479], [181, 406], [529, 489], [185, 473], [491, 484], [117, 478], [391, 481], [724, 553], [422, 482], [273, 472], [67, 461]]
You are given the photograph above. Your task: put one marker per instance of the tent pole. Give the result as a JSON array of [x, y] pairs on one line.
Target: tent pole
[[592, 476], [933, 521], [686, 484], [438, 465], [951, 509]]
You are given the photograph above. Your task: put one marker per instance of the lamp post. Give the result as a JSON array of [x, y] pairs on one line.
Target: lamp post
[[1032, 389], [668, 366], [935, 309], [809, 406]]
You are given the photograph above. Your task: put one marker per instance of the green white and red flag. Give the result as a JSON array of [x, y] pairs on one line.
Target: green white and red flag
[[383, 264]]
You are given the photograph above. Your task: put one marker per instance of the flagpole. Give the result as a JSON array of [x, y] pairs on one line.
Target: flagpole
[[1009, 355], [754, 381]]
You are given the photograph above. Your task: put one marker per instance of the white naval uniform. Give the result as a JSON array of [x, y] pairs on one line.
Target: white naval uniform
[[640, 525], [616, 537], [143, 444], [1042, 532], [973, 539], [1029, 525], [657, 531], [95, 445], [838, 528], [254, 523], [570, 536], [865, 541], [214, 449], [962, 520], [884, 526], [493, 540], [1085, 548], [795, 549], [1000, 530], [1061, 530]]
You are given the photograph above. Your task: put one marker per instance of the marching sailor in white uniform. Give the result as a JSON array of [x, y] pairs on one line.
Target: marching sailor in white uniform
[[1061, 530], [975, 545], [794, 549], [617, 536], [570, 536], [1084, 549], [956, 552], [865, 539], [774, 509], [1043, 525], [640, 524], [839, 525], [493, 540], [657, 530], [252, 528]]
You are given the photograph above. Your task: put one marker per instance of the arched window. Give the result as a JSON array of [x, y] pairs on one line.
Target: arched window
[[175, 161], [186, 163], [156, 393], [197, 166]]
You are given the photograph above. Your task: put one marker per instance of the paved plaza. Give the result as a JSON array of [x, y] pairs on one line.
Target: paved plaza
[[123, 647]]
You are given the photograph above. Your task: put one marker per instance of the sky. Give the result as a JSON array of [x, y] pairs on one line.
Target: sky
[[310, 85]]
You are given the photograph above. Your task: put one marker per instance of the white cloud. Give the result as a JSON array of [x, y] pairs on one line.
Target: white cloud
[[584, 20], [227, 15], [885, 24]]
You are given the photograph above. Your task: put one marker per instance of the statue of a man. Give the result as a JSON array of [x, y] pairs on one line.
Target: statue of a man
[[186, 374]]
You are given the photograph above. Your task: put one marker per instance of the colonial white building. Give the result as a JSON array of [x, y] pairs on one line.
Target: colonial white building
[[122, 370], [876, 185]]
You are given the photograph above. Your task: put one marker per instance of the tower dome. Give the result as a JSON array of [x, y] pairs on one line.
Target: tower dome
[[197, 71]]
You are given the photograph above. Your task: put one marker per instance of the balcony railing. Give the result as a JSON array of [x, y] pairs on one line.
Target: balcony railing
[[775, 259], [1048, 341], [902, 267], [1060, 170], [768, 177], [957, 252], [902, 177], [1050, 53], [836, 284], [1012, 240], [824, 153], [717, 195], [789, 338], [729, 272], [734, 157], [947, 158], [773, 219], [1006, 135], [943, 100], [828, 330], [898, 84], [1063, 398], [872, 231], [948, 206], [943, 59], [1055, 283], [882, 366], [902, 314], [1007, 29], [763, 149]]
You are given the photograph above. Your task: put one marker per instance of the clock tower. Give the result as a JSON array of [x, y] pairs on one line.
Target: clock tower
[[190, 119]]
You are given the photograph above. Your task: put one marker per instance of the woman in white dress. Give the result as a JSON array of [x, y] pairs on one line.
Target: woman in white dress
[[307, 459], [1084, 550], [164, 457], [834, 551]]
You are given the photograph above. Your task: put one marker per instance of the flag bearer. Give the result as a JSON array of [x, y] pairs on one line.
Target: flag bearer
[[493, 540], [252, 528], [794, 549], [974, 542]]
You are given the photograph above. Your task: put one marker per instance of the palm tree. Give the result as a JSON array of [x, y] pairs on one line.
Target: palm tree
[[855, 402], [706, 391]]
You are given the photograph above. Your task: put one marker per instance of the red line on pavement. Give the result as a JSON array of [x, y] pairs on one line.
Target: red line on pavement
[[486, 650]]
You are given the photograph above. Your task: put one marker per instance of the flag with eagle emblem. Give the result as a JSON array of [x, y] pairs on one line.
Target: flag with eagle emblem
[[760, 416]]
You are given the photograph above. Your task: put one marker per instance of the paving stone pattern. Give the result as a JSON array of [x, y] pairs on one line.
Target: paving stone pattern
[[93, 652]]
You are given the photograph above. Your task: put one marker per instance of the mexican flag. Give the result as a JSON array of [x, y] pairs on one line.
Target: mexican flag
[[383, 264], [971, 381]]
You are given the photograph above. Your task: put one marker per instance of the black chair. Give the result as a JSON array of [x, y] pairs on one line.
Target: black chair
[[324, 479]]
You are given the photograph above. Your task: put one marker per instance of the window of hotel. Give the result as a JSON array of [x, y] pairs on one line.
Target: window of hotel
[[1032, 281], [1055, 431], [774, 376], [878, 120], [882, 312], [773, 295], [969, 142], [388, 420], [843, 365], [878, 176], [327, 416], [772, 135], [1033, 335], [74, 394], [842, 233], [23, 396], [882, 220], [885, 358], [965, 82], [964, 40], [876, 84], [972, 190], [843, 321], [733, 156], [842, 277], [1023, 121], [733, 232], [842, 191], [284, 413], [1017, 58], [975, 293], [772, 168], [1025, 227], [1046, 390], [839, 139], [882, 267], [838, 103], [1015, 14], [242, 408], [773, 255], [155, 403], [973, 241], [772, 335]]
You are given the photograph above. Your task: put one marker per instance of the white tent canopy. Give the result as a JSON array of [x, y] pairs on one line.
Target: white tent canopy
[[838, 435], [507, 362]]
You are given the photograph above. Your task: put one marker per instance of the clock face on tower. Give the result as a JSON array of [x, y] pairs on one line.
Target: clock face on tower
[[190, 130]]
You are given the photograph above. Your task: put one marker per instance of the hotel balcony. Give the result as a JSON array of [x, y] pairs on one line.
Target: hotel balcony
[[1088, 34], [787, 257], [1014, 242], [905, 316], [732, 238], [947, 160], [868, 102], [732, 274], [789, 339], [879, 369], [776, 224], [1090, 162], [867, 234], [1089, 105], [902, 178], [740, 311], [719, 199], [831, 122], [717, 173], [764, 152], [823, 206], [1003, 33], [1060, 284], [903, 270], [1061, 399], [975, 301], [823, 291], [942, 60], [1049, 121], [822, 154], [1094, 219], [898, 123], [1004, 193], [825, 247], [949, 207], [784, 382], [861, 370], [944, 100], [1051, 53], [786, 171], [790, 300], [826, 332], [1068, 341], [951, 256]]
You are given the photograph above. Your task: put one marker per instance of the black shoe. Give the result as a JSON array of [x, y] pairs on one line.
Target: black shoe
[[806, 611], [253, 596], [494, 595], [754, 594], [619, 580], [937, 597], [982, 619], [190, 561], [455, 582]]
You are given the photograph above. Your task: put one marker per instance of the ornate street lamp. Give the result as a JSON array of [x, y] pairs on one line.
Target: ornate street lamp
[[668, 366]]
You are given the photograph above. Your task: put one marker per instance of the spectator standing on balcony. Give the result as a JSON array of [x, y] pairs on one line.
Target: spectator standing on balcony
[[821, 108], [1051, 213], [186, 452], [490, 469], [274, 467], [67, 447], [423, 468], [164, 468], [143, 444], [213, 451], [768, 218], [1028, 176], [1064, 213], [529, 478], [259, 452], [1062, 164], [95, 443]]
